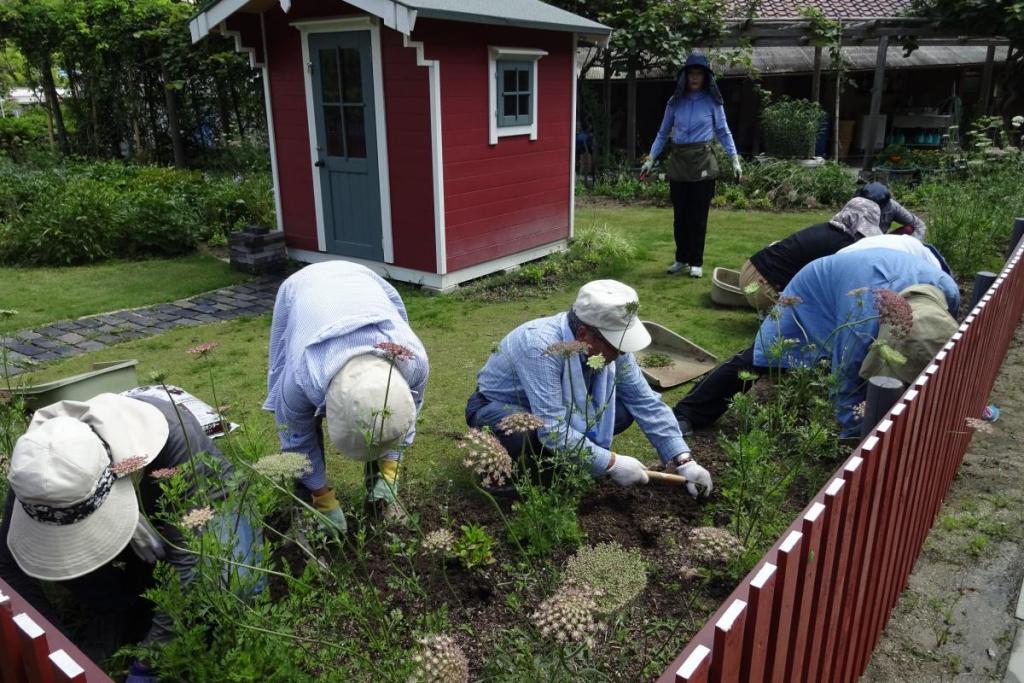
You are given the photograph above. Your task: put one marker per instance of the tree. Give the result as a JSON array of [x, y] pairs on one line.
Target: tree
[[986, 18]]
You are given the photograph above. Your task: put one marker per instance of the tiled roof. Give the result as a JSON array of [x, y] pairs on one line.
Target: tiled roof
[[847, 9]]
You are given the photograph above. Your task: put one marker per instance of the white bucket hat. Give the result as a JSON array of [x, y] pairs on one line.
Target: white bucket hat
[[355, 407], [72, 513], [611, 308]]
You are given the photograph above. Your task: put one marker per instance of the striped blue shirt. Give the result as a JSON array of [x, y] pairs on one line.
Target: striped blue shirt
[[694, 117], [324, 315], [519, 373]]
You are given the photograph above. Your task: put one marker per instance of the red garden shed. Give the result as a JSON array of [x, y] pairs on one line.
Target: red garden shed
[[431, 140]]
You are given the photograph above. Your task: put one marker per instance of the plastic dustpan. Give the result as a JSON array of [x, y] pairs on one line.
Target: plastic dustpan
[[112, 377], [725, 288], [682, 360]]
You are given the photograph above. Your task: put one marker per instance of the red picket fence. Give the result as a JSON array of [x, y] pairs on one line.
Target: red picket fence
[[814, 606], [33, 651]]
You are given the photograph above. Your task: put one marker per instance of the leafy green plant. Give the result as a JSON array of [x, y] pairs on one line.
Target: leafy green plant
[[791, 127], [474, 548], [543, 522]]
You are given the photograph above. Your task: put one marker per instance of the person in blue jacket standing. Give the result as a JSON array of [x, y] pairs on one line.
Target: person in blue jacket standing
[[694, 117]]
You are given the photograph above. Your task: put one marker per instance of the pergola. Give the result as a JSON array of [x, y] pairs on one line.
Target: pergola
[[858, 31]]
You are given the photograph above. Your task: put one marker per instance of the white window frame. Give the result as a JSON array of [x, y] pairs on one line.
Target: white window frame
[[520, 54]]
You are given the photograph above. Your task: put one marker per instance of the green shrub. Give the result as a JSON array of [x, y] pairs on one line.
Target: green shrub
[[157, 223], [77, 224], [791, 127], [17, 134], [231, 203]]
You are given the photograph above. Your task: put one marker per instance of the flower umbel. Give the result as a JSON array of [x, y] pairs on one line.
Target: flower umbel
[[7, 313], [614, 575], [858, 410], [128, 465], [440, 660], [439, 542], [487, 457], [568, 616], [890, 355], [859, 291], [164, 473], [196, 518], [567, 349], [595, 362], [894, 311], [979, 425], [203, 349], [393, 351], [283, 466], [519, 423], [713, 546], [751, 288], [787, 300]]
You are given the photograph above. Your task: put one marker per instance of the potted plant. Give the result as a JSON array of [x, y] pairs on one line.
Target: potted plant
[[790, 127]]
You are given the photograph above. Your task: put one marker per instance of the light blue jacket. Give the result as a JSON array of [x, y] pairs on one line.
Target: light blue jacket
[[694, 117]]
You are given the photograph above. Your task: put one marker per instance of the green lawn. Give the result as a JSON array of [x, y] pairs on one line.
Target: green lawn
[[43, 295], [459, 334]]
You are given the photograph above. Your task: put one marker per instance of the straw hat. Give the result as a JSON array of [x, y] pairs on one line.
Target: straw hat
[[356, 400], [73, 513]]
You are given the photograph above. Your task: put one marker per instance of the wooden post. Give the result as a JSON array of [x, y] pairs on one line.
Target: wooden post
[[816, 76], [877, 86], [631, 111], [986, 79], [839, 89], [1018, 233], [983, 279], [882, 393]]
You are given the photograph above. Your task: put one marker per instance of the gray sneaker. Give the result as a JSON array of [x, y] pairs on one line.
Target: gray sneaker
[[685, 427], [676, 267], [695, 271]]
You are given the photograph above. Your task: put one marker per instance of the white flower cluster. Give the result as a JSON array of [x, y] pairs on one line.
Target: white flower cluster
[[713, 546], [439, 660], [282, 466], [614, 575], [568, 616], [487, 457], [439, 542]]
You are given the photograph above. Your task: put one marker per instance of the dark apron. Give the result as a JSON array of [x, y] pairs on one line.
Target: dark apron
[[691, 163]]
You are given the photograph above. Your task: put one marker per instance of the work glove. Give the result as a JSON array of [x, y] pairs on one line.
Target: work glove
[[627, 471], [146, 542], [647, 167], [140, 673], [695, 474], [327, 505], [737, 169]]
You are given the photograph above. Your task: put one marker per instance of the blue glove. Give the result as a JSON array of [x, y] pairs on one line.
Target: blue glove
[[140, 673]]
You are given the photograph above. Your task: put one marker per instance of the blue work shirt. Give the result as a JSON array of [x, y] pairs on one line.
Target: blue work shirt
[[323, 316], [826, 305], [519, 373], [694, 117]]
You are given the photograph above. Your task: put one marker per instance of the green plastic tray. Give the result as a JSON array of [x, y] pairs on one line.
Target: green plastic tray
[[110, 377]]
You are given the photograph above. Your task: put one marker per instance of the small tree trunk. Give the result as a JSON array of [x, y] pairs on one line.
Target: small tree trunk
[[173, 126], [235, 104], [631, 110], [606, 103], [223, 110], [53, 103]]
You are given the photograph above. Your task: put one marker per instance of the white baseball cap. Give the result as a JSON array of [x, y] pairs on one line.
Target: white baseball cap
[[358, 424], [611, 308], [73, 514]]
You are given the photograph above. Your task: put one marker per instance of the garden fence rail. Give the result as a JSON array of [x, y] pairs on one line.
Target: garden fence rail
[[32, 650], [814, 606]]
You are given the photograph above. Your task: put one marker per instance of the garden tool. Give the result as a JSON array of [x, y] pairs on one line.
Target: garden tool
[[666, 478]]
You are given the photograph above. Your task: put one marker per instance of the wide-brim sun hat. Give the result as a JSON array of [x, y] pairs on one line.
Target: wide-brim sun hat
[[359, 424], [612, 308], [130, 427], [72, 514]]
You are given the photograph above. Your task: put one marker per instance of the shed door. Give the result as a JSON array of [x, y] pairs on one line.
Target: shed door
[[347, 143]]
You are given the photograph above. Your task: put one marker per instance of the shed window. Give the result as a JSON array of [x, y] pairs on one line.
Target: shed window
[[515, 93]]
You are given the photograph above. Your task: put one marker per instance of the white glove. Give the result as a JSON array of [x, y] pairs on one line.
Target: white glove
[[647, 167], [695, 474], [627, 471], [737, 170], [146, 542]]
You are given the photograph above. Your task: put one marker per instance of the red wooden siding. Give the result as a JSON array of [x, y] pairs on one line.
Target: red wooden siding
[[407, 105], [248, 26], [505, 198]]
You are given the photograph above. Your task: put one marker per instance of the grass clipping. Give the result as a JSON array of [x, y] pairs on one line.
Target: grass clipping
[[613, 575]]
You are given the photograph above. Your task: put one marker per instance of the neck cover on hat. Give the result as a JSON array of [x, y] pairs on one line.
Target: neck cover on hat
[[859, 218]]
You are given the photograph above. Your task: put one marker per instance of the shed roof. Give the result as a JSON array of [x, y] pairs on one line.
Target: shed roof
[[847, 9], [776, 61], [401, 15]]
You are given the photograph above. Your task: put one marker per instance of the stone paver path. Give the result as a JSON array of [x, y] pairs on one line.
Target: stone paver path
[[68, 338]]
